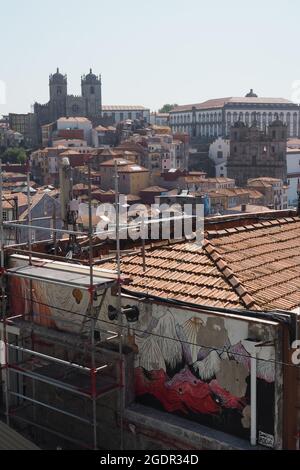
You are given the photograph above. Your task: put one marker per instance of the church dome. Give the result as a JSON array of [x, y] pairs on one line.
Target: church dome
[[90, 77], [58, 78]]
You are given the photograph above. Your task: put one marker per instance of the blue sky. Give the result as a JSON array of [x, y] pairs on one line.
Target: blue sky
[[150, 52]]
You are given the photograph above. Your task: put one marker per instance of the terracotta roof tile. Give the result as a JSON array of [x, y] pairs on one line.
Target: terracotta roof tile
[[255, 267]]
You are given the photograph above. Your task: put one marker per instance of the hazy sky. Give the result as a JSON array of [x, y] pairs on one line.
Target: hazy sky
[[149, 53]]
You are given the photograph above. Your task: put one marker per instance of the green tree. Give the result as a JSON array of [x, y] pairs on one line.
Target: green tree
[[167, 108], [14, 155]]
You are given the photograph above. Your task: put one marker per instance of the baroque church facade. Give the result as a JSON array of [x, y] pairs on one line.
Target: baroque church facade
[[60, 104], [256, 153]]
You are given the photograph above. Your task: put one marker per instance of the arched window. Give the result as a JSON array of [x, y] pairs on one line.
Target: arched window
[[288, 122], [258, 119], [295, 124], [92, 90]]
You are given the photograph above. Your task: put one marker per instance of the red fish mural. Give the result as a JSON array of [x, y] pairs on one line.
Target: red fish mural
[[184, 392]]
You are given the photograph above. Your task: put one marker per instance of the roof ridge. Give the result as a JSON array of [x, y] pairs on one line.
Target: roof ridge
[[249, 227], [228, 274]]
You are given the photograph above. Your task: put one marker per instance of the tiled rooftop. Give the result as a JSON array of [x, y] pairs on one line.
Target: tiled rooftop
[[221, 102], [265, 257], [255, 266], [181, 271]]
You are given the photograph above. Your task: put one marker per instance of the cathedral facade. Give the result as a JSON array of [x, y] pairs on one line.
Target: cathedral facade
[[255, 153], [60, 104]]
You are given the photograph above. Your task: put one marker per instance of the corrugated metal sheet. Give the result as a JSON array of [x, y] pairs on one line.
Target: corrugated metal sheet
[[12, 440]]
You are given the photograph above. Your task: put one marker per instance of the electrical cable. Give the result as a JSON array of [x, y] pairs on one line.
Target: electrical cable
[[134, 329]]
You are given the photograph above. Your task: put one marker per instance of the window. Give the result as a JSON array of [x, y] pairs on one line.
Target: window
[[273, 149], [92, 90], [274, 134], [4, 215], [253, 160], [129, 115], [220, 154], [235, 149]]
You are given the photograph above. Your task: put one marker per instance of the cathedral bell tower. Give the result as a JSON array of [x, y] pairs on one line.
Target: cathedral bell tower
[[91, 92], [58, 88]]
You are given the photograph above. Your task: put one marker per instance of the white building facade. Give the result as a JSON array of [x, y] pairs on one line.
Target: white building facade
[[293, 174], [213, 118], [76, 123], [219, 152], [122, 113]]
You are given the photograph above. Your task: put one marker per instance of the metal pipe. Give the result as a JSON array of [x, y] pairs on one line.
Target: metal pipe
[[250, 346], [53, 408], [49, 358], [3, 299], [253, 398], [33, 218], [29, 214], [1, 218], [50, 281], [90, 312], [48, 380], [47, 229], [118, 299]]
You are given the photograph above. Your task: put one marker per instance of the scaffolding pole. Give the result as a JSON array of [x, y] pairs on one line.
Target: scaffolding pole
[[3, 299], [27, 368], [92, 330], [119, 303]]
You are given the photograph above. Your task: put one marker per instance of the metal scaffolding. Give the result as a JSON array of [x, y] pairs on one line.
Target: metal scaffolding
[[35, 355]]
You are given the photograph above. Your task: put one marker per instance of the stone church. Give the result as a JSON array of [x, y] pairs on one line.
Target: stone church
[[255, 153], [60, 104]]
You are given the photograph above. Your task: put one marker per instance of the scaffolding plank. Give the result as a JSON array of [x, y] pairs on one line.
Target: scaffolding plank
[[57, 276]]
